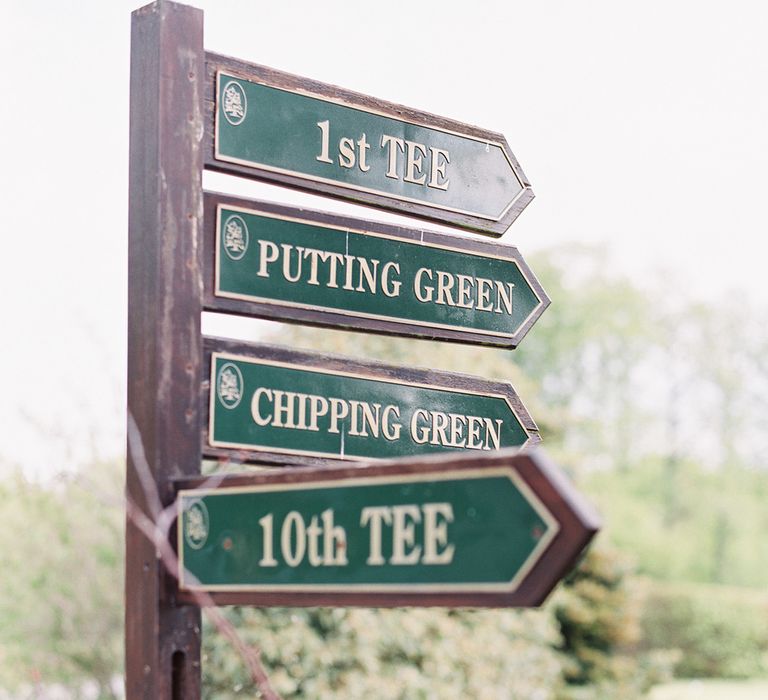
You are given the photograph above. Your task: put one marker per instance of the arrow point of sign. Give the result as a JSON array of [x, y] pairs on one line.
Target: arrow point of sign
[[522, 196], [578, 522]]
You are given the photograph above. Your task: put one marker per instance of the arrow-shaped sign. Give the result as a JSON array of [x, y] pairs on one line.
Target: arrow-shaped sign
[[275, 126], [278, 405], [274, 261], [496, 530]]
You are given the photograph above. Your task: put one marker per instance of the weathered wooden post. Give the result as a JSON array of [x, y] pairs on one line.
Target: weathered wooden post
[[164, 341]]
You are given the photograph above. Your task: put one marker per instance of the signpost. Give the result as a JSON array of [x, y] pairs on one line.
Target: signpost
[[277, 405], [279, 127], [492, 530], [280, 262], [462, 520]]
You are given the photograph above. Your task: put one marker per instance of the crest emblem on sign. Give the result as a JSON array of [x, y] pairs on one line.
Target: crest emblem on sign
[[235, 237], [235, 104], [229, 385], [196, 525]]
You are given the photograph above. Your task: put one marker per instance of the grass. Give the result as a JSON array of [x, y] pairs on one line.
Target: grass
[[711, 690]]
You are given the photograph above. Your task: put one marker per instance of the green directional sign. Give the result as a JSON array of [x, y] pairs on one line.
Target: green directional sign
[[345, 272], [450, 527], [319, 137], [281, 404]]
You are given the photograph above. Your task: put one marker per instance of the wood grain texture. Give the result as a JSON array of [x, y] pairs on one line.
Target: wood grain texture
[[280, 79], [329, 319], [162, 635], [578, 523], [338, 363]]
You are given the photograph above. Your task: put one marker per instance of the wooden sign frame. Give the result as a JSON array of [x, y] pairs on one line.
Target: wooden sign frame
[[575, 523], [471, 249], [343, 366], [493, 225]]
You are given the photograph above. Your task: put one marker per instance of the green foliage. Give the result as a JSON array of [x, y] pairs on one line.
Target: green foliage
[[599, 620], [714, 532], [584, 352], [717, 632], [61, 586], [390, 654]]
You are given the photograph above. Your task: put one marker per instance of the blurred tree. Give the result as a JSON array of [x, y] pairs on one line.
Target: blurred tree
[[599, 619], [587, 353], [720, 349], [634, 506], [61, 585]]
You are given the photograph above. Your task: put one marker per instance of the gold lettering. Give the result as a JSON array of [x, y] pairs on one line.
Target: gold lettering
[[371, 419], [473, 433], [504, 296], [318, 406], [293, 556], [484, 294], [458, 423], [349, 261], [414, 163], [334, 541], [419, 433], [335, 259], [268, 253], [423, 294], [370, 275], [437, 169], [363, 146], [313, 536], [404, 535], [466, 284], [283, 406], [436, 519], [390, 288], [301, 424], [444, 287], [492, 433], [287, 262], [368, 418], [375, 515], [439, 426], [391, 431], [339, 411], [346, 153], [324, 141], [313, 254], [255, 411], [392, 144]]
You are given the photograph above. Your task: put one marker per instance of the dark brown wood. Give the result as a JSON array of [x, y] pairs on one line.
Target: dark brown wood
[[162, 634], [280, 79], [329, 319], [278, 353], [578, 523]]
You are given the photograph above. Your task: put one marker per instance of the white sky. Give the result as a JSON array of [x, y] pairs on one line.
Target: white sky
[[640, 125]]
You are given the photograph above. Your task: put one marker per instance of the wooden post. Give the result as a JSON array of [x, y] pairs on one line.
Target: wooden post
[[164, 342]]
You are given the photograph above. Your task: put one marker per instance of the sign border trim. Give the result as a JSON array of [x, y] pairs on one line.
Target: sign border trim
[[312, 368], [360, 314], [508, 471], [345, 185]]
